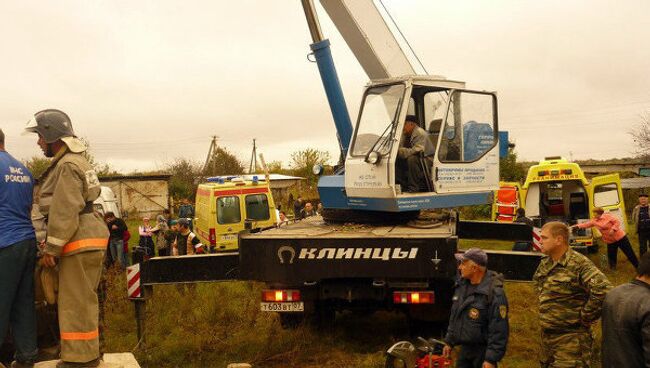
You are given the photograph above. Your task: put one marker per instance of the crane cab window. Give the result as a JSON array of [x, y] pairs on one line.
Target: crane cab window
[[434, 113], [257, 207], [470, 130], [378, 120], [228, 211]]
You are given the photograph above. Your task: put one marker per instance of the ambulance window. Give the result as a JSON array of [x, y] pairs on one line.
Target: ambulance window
[[257, 207], [228, 210], [606, 195]]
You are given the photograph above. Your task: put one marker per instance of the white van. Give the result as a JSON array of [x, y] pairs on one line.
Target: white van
[[107, 202]]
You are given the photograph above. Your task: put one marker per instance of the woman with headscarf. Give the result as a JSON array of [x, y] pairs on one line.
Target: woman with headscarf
[[146, 237], [160, 231]]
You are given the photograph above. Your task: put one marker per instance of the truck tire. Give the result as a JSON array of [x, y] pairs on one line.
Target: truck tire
[[393, 362], [593, 249], [291, 320], [324, 316], [335, 215]]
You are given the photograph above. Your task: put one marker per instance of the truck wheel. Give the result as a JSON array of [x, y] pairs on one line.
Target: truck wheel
[[322, 316], [392, 362], [291, 320], [593, 249]]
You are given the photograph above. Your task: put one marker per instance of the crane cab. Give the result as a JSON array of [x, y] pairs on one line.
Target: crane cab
[[461, 169]]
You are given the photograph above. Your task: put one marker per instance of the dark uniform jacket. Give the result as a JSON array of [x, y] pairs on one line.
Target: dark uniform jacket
[[480, 318], [626, 326]]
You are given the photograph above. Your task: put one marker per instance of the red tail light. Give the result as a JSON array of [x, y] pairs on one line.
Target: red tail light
[[280, 295], [413, 297], [213, 237]]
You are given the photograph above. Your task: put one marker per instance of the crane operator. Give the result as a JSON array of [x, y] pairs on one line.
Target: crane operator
[[415, 146]]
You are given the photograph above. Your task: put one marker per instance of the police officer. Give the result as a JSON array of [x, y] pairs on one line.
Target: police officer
[[17, 258], [76, 236], [570, 291], [479, 314]]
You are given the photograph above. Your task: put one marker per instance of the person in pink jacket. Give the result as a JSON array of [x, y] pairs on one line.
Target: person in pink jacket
[[613, 235]]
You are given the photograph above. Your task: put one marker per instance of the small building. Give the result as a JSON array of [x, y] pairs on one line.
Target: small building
[[280, 185], [140, 195]]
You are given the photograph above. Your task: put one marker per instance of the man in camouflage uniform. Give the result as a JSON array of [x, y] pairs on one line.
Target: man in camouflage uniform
[[570, 290], [76, 236]]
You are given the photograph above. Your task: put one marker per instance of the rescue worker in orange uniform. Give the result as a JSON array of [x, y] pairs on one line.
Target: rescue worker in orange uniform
[[76, 236]]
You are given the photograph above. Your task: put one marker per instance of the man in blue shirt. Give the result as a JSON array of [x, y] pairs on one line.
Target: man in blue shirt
[[17, 257]]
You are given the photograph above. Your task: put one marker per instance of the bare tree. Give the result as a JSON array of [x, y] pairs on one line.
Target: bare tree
[[641, 135]]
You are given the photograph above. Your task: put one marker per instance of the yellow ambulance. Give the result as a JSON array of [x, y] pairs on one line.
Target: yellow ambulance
[[225, 205], [558, 190]]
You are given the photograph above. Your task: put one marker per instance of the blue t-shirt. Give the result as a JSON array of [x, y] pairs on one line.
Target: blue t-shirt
[[16, 192]]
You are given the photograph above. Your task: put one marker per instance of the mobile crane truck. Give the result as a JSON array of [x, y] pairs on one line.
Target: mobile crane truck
[[386, 260]]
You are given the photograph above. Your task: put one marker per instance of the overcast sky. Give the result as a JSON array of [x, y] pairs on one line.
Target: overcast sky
[[148, 81]]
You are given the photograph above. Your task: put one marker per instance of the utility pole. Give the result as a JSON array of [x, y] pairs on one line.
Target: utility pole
[[211, 152], [252, 168]]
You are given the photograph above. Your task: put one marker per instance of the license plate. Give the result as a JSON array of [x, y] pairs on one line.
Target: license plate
[[228, 237], [283, 307]]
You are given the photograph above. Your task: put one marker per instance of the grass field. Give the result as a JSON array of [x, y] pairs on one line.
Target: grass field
[[212, 325]]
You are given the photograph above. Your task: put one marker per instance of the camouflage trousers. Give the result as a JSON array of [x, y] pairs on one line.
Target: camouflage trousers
[[566, 350]]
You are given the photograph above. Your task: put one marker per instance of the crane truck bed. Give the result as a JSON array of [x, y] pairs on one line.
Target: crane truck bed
[[311, 250]]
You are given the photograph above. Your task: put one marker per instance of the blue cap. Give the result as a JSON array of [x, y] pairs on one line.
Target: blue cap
[[475, 255]]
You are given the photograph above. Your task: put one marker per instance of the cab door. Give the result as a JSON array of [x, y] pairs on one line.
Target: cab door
[[467, 155], [370, 163], [606, 192]]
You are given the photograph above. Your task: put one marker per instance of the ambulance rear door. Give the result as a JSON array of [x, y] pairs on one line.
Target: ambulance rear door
[[606, 192], [230, 220]]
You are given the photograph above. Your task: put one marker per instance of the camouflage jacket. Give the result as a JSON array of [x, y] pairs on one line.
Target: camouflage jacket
[[570, 292]]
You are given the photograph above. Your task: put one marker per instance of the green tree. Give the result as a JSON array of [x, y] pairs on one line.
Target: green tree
[[185, 176], [303, 161], [223, 162], [510, 169], [37, 165], [275, 167]]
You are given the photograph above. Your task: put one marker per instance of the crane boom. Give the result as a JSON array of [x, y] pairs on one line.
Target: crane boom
[[370, 37]]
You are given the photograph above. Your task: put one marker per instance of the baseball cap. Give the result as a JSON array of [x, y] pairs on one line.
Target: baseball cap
[[475, 255]]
